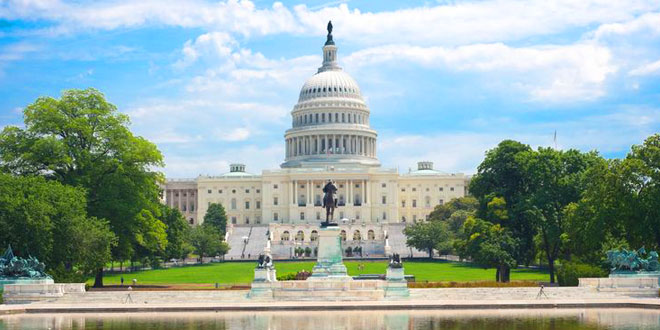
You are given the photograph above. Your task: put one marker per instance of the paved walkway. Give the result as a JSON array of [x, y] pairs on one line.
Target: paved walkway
[[454, 298]]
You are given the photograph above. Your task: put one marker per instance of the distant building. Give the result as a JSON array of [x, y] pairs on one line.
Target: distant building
[[330, 138]]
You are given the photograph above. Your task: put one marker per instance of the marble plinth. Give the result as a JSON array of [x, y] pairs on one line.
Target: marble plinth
[[261, 285], [25, 280], [329, 258], [25, 293], [397, 286]]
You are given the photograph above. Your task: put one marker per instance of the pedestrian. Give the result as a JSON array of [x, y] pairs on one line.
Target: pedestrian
[[122, 280]]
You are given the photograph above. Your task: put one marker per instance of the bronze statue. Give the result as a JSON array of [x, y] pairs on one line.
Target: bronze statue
[[395, 261], [12, 266], [329, 27], [329, 201]]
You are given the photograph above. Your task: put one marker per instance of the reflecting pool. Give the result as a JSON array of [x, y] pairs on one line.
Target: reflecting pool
[[519, 319]]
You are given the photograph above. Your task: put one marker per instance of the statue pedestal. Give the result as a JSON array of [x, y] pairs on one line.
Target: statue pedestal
[[329, 258], [397, 286], [262, 285]]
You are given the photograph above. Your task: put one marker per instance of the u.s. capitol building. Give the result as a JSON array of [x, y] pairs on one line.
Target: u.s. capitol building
[[330, 138]]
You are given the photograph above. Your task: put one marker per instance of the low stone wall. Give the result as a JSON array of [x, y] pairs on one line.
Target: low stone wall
[[26, 293], [636, 286]]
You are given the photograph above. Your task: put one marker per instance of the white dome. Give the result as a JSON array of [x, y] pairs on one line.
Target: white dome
[[333, 83]]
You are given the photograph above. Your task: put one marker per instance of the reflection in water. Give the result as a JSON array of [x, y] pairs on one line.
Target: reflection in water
[[520, 319]]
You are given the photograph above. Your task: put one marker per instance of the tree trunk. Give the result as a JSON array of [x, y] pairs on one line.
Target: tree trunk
[[121, 266], [506, 277], [431, 253], [551, 268], [98, 279], [497, 274]]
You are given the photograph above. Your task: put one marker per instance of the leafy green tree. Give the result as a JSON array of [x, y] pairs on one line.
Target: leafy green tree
[[83, 141], [489, 245], [444, 211], [48, 220], [501, 174], [555, 181], [428, 235], [217, 217], [207, 241], [177, 233]]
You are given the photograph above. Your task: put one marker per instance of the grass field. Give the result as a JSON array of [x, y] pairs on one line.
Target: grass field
[[242, 272]]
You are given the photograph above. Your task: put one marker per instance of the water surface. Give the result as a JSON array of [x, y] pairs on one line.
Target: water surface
[[519, 319]]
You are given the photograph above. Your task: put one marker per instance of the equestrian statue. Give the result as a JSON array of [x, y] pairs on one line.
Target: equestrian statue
[[329, 202]]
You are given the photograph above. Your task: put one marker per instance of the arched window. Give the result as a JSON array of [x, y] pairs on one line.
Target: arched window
[[300, 236], [342, 234], [314, 236], [371, 235], [285, 236], [357, 236]]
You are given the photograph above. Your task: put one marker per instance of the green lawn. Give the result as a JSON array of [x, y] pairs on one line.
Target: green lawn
[[242, 272]]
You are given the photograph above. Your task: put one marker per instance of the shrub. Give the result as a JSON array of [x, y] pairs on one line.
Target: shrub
[[62, 275], [472, 284], [568, 273], [287, 277]]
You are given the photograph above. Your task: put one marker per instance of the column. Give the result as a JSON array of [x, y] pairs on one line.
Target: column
[[350, 192], [318, 144], [366, 193], [294, 193], [309, 192]]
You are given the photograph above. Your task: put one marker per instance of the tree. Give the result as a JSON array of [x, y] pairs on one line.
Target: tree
[[501, 174], [444, 211], [215, 216], [177, 233], [207, 241], [489, 245], [555, 181], [48, 220], [83, 141], [427, 236]]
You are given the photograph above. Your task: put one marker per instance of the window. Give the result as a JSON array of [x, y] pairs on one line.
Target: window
[[219, 191], [285, 236], [184, 208], [314, 236], [233, 191], [247, 205], [341, 215], [371, 235], [191, 221], [274, 186], [451, 189], [441, 189], [427, 189], [414, 218], [233, 203], [302, 186], [414, 189], [192, 207], [336, 117], [384, 199], [258, 219], [442, 202], [233, 220], [357, 236], [427, 201], [274, 200], [403, 219], [210, 191], [176, 195], [384, 185], [403, 189], [323, 118], [300, 236], [357, 215], [258, 191], [384, 215], [184, 194], [247, 220], [343, 117], [275, 216], [302, 215], [342, 234], [414, 203], [258, 204], [403, 203], [357, 185], [316, 118], [318, 215], [247, 191]]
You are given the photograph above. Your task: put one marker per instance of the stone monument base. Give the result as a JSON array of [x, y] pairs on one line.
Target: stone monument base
[[261, 285], [27, 293], [397, 286], [25, 280]]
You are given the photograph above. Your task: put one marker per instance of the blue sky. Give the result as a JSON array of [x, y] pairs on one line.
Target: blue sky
[[213, 82]]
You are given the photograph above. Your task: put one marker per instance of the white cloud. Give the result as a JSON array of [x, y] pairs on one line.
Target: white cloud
[[237, 134], [551, 72], [447, 23], [646, 69]]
